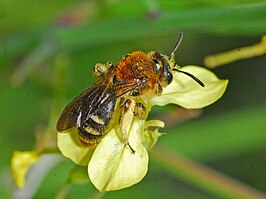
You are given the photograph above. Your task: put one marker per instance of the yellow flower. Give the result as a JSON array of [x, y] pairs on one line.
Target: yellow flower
[[112, 165], [20, 164]]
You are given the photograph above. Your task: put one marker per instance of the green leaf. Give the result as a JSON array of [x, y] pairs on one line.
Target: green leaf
[[78, 175]]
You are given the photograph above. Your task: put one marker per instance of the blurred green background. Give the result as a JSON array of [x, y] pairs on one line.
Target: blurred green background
[[37, 37]]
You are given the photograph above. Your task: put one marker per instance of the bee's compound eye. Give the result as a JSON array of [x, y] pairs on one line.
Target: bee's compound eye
[[168, 77]]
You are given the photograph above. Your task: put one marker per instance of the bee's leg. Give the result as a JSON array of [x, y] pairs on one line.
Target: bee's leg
[[127, 114], [100, 70], [139, 110]]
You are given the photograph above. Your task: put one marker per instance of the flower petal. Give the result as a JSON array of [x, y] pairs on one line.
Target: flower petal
[[151, 136], [70, 146], [185, 92], [20, 164], [113, 165]]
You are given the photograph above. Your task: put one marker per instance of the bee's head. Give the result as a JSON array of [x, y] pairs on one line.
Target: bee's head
[[162, 66], [165, 65]]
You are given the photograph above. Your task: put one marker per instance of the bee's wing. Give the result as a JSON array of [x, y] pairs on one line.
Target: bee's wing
[[90, 100], [86, 103]]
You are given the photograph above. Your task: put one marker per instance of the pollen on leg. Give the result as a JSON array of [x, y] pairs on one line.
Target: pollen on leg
[[100, 70], [139, 110]]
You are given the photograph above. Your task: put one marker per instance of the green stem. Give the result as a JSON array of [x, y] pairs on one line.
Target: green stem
[[62, 193], [204, 177], [59, 84], [97, 195], [213, 61], [46, 142]]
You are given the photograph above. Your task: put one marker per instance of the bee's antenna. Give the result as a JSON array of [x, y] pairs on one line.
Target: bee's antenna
[[190, 75], [172, 55], [178, 42]]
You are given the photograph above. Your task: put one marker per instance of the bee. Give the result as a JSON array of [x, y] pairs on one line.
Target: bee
[[119, 88]]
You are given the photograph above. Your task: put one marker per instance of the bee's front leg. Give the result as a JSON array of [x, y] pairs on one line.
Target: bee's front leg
[[126, 118], [100, 70]]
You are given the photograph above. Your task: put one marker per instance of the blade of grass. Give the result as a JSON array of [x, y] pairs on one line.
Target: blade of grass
[[204, 177], [220, 20], [120, 26], [229, 134]]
